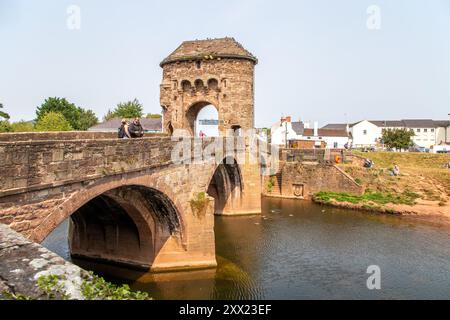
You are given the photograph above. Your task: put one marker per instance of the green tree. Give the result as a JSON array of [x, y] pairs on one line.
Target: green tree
[[127, 110], [87, 119], [153, 116], [60, 105], [5, 126], [398, 138], [3, 114], [53, 121], [22, 126]]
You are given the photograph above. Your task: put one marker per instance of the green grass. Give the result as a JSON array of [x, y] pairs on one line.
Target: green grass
[[380, 198]]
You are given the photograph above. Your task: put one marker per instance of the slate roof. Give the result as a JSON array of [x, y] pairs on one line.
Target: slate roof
[[114, 124], [340, 126], [326, 133], [298, 127], [218, 48], [407, 123], [442, 123]]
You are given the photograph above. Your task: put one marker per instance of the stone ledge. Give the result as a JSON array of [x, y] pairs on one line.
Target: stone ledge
[[22, 262]]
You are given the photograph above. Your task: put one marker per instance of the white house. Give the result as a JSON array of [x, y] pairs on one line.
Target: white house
[[285, 132], [365, 134], [427, 133]]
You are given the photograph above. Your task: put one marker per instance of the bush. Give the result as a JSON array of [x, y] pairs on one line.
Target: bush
[[22, 126], [53, 121], [5, 126], [199, 204]]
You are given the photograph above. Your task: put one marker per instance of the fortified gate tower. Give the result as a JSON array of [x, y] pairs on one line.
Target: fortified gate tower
[[198, 73]]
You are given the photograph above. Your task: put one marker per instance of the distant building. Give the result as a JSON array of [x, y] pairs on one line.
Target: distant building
[[149, 125], [299, 135], [368, 133]]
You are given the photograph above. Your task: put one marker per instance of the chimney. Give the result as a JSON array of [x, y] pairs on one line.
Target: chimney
[[306, 125], [316, 129], [287, 119]]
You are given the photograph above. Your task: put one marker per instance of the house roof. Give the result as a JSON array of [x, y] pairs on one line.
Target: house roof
[[422, 123], [218, 48], [442, 123], [114, 124], [388, 123], [326, 133], [406, 123], [298, 127], [335, 126]]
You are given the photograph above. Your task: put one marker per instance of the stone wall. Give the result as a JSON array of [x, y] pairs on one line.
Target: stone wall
[[23, 262], [52, 162], [301, 180], [66, 135], [233, 96]]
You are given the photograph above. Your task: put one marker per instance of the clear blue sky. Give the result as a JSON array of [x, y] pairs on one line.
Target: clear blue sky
[[318, 60]]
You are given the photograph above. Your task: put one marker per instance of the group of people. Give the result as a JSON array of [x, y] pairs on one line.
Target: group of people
[[131, 130], [368, 163]]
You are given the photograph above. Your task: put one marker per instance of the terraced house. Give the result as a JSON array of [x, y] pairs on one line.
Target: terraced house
[[428, 133]]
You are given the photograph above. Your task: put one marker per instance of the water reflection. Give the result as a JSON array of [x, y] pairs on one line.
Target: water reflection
[[299, 250]]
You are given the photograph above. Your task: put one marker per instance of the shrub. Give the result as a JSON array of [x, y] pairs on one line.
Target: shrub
[[53, 121]]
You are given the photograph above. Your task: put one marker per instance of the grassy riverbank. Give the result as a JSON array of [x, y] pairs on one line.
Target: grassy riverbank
[[423, 186]]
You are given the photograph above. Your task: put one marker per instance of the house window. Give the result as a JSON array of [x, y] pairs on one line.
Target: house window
[[432, 130], [418, 130], [425, 130], [365, 132]]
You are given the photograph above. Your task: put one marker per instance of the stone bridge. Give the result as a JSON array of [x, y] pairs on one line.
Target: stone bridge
[[128, 201]]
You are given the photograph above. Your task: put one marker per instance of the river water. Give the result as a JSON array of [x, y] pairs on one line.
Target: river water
[[300, 250]]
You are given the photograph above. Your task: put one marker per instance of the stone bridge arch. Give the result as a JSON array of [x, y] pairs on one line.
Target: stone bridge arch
[[226, 187]]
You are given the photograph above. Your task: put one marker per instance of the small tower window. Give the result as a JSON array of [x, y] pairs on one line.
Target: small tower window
[[186, 85], [213, 84], [199, 84], [198, 64]]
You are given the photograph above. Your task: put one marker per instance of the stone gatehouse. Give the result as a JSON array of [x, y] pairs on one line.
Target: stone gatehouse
[[219, 72]]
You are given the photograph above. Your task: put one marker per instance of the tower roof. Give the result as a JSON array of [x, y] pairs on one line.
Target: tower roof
[[216, 48]]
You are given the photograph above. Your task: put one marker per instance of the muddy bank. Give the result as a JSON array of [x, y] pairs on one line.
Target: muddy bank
[[423, 211]]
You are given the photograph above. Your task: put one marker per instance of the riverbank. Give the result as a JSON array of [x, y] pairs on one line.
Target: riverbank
[[427, 211], [421, 190]]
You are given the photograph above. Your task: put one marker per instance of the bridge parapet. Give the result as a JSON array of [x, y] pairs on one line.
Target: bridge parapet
[[30, 164]]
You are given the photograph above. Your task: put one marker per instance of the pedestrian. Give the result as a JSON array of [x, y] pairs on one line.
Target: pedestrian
[[123, 130], [136, 130]]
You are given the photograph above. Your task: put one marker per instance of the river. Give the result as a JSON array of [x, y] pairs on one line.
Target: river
[[300, 250]]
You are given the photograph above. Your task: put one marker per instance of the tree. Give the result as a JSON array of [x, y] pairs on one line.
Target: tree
[[5, 126], [60, 105], [398, 138], [3, 114], [87, 119], [53, 121], [79, 118], [127, 110], [153, 116], [22, 126]]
